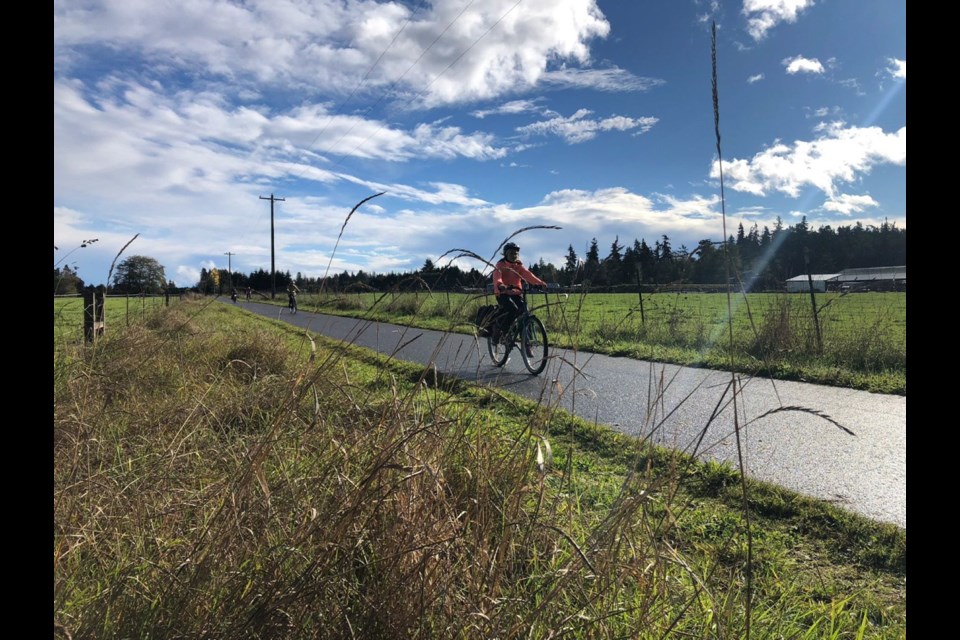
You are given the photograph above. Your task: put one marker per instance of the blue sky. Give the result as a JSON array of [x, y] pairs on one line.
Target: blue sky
[[476, 117]]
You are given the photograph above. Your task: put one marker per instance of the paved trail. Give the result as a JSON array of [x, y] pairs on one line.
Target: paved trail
[[864, 471]]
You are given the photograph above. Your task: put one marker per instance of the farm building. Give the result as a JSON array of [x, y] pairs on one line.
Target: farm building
[[801, 284], [872, 279], [867, 279]]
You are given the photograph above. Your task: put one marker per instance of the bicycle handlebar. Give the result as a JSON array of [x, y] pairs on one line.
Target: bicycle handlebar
[[535, 288]]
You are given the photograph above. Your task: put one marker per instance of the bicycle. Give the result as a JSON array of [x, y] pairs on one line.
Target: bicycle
[[292, 303], [532, 335]]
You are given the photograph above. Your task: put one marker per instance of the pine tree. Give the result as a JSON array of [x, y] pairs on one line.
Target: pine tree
[[614, 263], [591, 268], [571, 268]]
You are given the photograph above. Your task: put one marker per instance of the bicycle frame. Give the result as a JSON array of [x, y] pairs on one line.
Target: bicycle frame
[[526, 330]]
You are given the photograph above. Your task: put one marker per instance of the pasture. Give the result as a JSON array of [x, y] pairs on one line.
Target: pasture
[[120, 310], [853, 340]]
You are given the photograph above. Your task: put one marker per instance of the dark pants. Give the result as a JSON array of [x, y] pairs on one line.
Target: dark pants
[[510, 308]]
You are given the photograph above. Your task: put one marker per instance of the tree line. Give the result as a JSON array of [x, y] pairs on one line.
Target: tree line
[[760, 258]]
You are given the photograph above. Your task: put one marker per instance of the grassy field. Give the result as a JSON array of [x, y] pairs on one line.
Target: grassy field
[[220, 475], [858, 340], [119, 311]]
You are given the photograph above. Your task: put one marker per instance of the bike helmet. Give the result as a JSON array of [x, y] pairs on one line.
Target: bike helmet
[[509, 246]]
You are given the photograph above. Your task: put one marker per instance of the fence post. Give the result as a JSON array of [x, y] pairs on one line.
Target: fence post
[[93, 305]]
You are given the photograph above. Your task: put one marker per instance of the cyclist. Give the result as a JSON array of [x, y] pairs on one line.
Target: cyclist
[[508, 277], [292, 291]]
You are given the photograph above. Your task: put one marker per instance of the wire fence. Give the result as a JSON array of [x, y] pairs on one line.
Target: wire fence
[[119, 310], [761, 323], [860, 330]]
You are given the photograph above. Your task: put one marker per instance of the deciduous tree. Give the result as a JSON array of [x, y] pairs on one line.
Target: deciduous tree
[[139, 274]]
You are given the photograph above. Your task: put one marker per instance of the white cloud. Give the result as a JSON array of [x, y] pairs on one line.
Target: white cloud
[[897, 68], [600, 79], [578, 128], [184, 276], [191, 143], [799, 64], [444, 53], [712, 9], [763, 15], [840, 155], [847, 204], [509, 108], [821, 112], [755, 78]]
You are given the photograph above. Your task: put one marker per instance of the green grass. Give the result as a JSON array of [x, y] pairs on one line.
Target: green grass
[[119, 311], [222, 475], [861, 345]]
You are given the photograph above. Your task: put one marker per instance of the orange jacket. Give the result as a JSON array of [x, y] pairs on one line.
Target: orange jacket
[[512, 274]]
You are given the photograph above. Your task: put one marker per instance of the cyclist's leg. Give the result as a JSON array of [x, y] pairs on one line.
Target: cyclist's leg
[[521, 306], [509, 310], [535, 345]]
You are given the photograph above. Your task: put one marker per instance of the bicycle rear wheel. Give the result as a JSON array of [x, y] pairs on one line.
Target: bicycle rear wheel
[[499, 348], [534, 340]]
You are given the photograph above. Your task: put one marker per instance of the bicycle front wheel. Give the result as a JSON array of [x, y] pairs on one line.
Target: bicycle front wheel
[[499, 349], [535, 348]]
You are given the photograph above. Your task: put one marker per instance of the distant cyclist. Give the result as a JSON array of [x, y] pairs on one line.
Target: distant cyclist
[[292, 292], [248, 292], [508, 278]]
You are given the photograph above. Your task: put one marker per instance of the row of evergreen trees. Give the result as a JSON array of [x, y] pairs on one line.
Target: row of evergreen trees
[[761, 258]]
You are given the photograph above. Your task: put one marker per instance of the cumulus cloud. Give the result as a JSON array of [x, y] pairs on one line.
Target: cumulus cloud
[[764, 15], [839, 155], [799, 64], [440, 53], [847, 204], [579, 128]]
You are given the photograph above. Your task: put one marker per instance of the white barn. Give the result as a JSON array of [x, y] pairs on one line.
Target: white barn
[[801, 284], [866, 279]]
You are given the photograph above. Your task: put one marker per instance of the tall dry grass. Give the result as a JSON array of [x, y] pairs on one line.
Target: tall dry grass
[[219, 479]]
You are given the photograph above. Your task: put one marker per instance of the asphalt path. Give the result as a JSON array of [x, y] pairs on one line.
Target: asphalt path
[[844, 446]]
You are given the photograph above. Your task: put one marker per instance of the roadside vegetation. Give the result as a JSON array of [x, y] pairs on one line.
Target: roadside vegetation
[[222, 475], [857, 341], [119, 311]]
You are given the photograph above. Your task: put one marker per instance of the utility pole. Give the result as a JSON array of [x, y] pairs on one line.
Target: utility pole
[[273, 263], [229, 267]]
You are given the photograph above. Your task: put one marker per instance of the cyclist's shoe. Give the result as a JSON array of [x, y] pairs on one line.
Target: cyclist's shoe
[[529, 350]]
